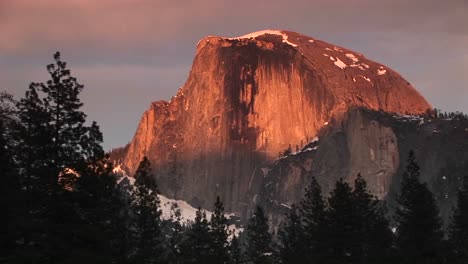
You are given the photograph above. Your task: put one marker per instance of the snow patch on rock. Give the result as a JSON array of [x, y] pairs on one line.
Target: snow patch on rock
[[337, 49], [381, 71], [352, 57], [340, 64]]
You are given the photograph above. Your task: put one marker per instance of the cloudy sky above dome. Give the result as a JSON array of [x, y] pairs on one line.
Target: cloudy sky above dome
[[128, 53]]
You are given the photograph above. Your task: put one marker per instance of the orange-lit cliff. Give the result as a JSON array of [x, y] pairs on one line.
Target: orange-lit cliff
[[248, 99]]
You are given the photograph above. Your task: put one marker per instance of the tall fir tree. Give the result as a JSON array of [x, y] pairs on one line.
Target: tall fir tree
[[219, 233], [34, 141], [53, 130], [53, 144], [104, 210], [292, 241], [147, 234], [174, 231], [419, 234], [312, 211], [342, 235], [374, 237], [196, 246], [458, 229], [258, 241]]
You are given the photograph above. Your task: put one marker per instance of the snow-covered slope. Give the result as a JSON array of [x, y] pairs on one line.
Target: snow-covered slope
[[169, 206]]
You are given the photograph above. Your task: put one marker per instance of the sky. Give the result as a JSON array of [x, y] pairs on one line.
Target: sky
[[129, 53]]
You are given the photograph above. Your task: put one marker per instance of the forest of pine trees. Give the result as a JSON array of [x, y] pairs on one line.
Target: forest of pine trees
[[61, 204]]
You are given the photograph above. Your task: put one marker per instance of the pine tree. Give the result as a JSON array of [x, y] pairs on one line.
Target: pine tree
[[147, 229], [419, 234], [219, 233], [374, 237], [291, 245], [53, 146], [313, 214], [105, 209], [235, 251], [458, 230], [67, 121], [53, 134], [34, 141], [196, 247], [342, 235], [258, 239], [175, 232]]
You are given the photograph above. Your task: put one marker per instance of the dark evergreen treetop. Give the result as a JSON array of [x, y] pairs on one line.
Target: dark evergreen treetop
[[196, 247], [419, 234], [148, 239], [313, 213], [219, 233], [235, 251], [374, 238], [53, 133], [342, 235], [258, 238], [292, 245], [312, 207], [458, 230]]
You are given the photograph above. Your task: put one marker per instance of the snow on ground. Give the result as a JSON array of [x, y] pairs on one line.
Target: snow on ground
[[188, 212], [314, 140], [123, 175], [311, 149], [254, 35], [311, 40], [410, 118]]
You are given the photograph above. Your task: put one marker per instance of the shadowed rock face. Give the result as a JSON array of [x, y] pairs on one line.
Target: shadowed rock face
[[249, 98], [376, 145]]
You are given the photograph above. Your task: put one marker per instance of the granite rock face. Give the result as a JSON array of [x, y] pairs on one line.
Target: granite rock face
[[376, 145], [248, 99]]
